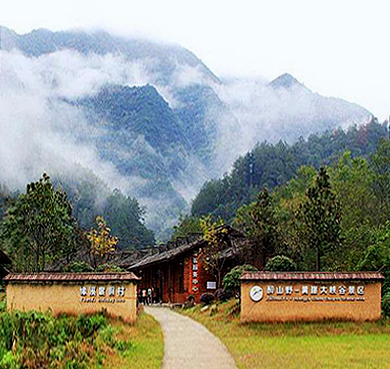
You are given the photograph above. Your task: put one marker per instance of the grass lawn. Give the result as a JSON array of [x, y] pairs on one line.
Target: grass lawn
[[147, 345], [293, 345]]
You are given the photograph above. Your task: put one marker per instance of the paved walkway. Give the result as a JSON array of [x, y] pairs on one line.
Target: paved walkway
[[189, 344]]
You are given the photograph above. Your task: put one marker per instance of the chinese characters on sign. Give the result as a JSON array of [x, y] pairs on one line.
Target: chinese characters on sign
[[194, 272], [109, 294], [314, 293]]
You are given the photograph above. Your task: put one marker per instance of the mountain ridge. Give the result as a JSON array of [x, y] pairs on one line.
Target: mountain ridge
[[156, 112]]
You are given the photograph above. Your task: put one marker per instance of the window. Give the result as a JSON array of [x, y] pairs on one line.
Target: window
[[211, 285]]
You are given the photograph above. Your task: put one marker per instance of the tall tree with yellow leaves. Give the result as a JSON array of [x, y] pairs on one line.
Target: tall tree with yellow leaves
[[103, 244]]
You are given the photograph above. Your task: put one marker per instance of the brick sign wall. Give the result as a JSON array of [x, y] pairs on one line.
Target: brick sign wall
[[76, 293], [310, 296]]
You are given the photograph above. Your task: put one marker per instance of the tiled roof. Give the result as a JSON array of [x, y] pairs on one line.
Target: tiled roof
[[166, 255], [310, 276], [173, 253], [71, 277]]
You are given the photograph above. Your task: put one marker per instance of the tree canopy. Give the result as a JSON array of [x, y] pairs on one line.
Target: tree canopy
[[39, 227]]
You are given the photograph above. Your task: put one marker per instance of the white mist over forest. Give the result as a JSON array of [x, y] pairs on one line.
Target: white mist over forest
[[41, 131]]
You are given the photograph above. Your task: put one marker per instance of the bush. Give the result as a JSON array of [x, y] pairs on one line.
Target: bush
[[280, 263], [109, 268], [231, 281], [386, 304], [3, 304], [9, 361], [206, 298], [222, 295], [78, 267], [38, 340], [89, 326]]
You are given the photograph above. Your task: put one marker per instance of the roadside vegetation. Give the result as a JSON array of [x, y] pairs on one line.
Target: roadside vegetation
[[296, 345], [39, 340]]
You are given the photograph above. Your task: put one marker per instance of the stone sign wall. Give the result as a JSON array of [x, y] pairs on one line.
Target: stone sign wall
[[76, 293], [310, 296]]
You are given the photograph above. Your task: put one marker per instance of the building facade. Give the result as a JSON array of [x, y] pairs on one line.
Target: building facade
[[177, 274]]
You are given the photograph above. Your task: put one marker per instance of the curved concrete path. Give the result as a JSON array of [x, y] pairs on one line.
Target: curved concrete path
[[188, 344]]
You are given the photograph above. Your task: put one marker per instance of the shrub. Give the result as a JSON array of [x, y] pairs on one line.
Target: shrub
[[386, 304], [206, 298], [280, 263], [9, 361], [39, 340], [3, 305], [109, 268], [231, 281], [222, 295], [78, 267], [89, 326]]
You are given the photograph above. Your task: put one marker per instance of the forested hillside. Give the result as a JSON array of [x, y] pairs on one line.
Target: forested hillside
[[89, 197], [146, 117], [269, 165], [318, 205]]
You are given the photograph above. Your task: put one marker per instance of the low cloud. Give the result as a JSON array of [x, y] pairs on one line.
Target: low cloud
[[38, 131]]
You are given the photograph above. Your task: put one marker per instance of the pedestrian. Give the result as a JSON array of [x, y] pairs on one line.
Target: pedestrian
[[144, 297], [149, 295]]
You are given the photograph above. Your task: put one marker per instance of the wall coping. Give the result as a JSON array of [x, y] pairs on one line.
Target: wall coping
[[304, 276], [70, 277]]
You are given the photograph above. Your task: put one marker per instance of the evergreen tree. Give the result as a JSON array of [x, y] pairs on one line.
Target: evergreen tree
[[380, 164], [321, 216], [259, 224]]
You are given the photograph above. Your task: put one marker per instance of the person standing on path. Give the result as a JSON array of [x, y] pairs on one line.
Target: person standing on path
[[150, 295]]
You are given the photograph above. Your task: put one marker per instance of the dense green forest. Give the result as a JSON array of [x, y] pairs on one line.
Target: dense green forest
[[323, 203], [269, 165], [88, 197]]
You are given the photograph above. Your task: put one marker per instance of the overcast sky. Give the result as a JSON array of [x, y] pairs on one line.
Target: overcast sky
[[336, 48]]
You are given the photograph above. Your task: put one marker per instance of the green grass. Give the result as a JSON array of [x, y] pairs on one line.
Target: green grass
[[298, 345], [121, 345], [147, 345]]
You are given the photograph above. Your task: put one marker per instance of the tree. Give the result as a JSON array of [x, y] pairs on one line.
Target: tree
[[260, 226], [231, 281], [125, 216], [280, 263], [380, 164], [186, 226], [215, 236], [103, 244], [39, 228], [321, 216], [352, 181]]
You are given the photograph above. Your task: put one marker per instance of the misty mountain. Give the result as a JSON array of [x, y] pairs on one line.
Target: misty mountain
[[165, 57], [146, 117], [285, 81]]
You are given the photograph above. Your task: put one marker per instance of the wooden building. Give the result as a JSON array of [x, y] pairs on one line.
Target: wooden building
[[176, 271]]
